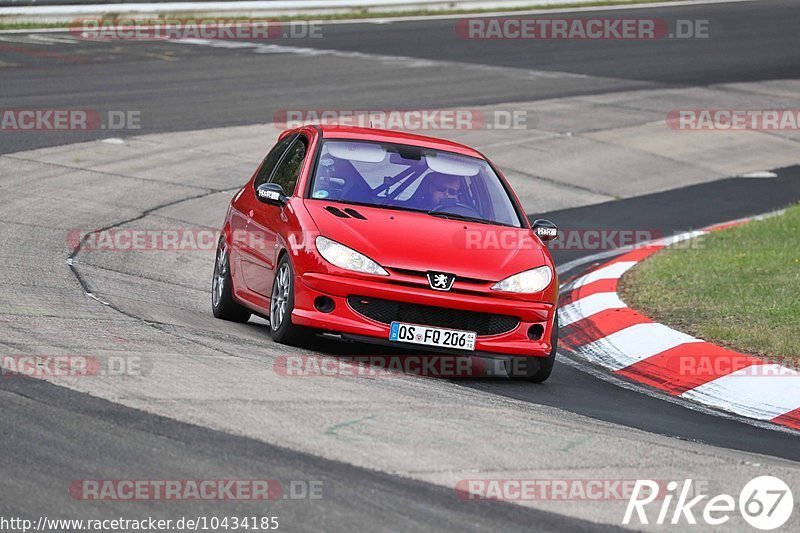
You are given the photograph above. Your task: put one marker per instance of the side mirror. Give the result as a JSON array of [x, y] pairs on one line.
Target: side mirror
[[545, 230], [271, 193]]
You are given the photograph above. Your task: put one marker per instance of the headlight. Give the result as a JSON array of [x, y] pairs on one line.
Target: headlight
[[534, 280], [347, 258]]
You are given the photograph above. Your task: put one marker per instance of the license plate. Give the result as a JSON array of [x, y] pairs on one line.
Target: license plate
[[443, 338]]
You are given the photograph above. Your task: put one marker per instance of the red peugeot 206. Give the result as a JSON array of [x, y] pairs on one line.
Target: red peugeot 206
[[390, 238]]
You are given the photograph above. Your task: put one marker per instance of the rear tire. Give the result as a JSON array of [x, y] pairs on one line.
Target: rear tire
[[535, 369], [281, 306], [222, 303]]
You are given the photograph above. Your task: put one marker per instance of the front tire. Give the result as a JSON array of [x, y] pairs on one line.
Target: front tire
[[281, 306], [222, 303], [535, 369]]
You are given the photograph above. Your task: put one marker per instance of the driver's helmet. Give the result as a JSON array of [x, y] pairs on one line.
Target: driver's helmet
[[435, 179]]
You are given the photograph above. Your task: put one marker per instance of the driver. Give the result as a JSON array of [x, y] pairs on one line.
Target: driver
[[440, 187]]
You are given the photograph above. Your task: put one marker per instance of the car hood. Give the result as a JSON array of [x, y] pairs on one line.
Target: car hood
[[417, 241]]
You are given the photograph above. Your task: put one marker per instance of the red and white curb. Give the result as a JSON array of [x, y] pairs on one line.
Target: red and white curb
[[598, 326]]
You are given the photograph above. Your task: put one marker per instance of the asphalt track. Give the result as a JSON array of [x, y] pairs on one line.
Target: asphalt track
[[54, 435], [186, 88]]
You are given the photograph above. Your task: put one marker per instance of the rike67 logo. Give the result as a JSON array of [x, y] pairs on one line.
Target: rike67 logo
[[766, 503]]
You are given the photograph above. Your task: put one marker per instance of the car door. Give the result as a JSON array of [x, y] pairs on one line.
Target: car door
[[245, 243], [267, 221]]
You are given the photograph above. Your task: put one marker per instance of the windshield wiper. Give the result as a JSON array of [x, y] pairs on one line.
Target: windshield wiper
[[453, 216]]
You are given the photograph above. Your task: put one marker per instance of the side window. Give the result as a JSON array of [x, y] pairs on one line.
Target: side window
[[289, 168], [271, 160]]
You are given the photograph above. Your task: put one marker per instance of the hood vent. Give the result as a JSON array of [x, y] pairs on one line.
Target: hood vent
[[336, 211], [355, 214], [347, 213]]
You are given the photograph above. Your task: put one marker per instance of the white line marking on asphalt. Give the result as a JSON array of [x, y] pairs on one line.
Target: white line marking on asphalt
[[612, 271], [763, 174], [390, 60], [515, 13], [52, 39], [24, 40], [668, 241], [160, 8], [566, 267]]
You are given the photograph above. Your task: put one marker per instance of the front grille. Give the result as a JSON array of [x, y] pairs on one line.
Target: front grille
[[387, 311], [422, 274]]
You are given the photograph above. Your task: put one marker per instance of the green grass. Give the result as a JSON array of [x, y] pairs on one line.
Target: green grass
[[355, 14], [738, 287]]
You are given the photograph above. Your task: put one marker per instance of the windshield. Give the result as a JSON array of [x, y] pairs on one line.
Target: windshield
[[406, 177]]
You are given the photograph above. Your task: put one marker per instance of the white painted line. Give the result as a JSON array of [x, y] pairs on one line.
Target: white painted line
[[763, 174], [539, 11], [266, 5], [764, 394], [389, 60], [325, 6], [23, 40], [667, 241], [575, 263], [612, 271], [633, 344], [588, 306], [52, 39], [566, 267]]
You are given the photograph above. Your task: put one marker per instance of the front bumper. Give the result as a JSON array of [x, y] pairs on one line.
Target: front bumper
[[344, 319]]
